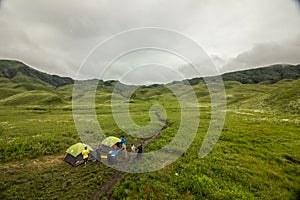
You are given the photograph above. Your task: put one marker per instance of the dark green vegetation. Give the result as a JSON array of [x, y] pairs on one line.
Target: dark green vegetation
[[19, 72], [256, 157], [271, 74]]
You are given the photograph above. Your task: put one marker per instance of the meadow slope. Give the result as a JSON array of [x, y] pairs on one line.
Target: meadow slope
[[256, 157]]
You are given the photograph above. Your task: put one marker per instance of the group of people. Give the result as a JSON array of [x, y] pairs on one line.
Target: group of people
[[135, 152]]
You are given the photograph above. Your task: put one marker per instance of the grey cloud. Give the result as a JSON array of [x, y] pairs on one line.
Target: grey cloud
[[56, 36], [47, 34], [266, 54]]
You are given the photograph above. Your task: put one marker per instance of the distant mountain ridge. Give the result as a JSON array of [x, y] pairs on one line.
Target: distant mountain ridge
[[275, 89], [270, 74], [10, 69], [18, 72]]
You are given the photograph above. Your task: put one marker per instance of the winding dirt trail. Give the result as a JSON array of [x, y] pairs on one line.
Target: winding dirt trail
[[107, 189]]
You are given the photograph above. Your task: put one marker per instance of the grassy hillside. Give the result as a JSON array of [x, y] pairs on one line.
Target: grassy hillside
[[21, 85], [269, 74], [253, 159], [281, 97], [256, 157], [19, 72], [17, 78]]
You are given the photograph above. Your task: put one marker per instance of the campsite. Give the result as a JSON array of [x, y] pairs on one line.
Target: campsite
[[256, 156], [150, 100]]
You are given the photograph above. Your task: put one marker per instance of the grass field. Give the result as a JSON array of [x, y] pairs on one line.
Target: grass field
[[256, 157]]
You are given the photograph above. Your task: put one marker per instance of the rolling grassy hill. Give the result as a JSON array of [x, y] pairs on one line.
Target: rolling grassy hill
[[282, 96], [272, 86], [22, 85], [19, 72], [269, 74], [256, 157]]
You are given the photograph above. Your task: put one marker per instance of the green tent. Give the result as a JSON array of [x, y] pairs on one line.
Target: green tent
[[77, 148], [110, 141], [74, 153]]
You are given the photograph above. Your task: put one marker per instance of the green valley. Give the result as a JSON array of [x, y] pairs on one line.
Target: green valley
[[256, 157]]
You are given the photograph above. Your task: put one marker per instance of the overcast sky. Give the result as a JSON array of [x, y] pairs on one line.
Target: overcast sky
[[56, 36]]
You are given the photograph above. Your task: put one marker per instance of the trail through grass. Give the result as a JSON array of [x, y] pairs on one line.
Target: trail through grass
[[256, 157]]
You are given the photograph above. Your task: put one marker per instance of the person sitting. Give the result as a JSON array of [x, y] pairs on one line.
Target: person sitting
[[115, 147], [111, 158]]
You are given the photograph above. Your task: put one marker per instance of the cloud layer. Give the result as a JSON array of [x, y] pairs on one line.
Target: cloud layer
[[287, 52], [56, 36]]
